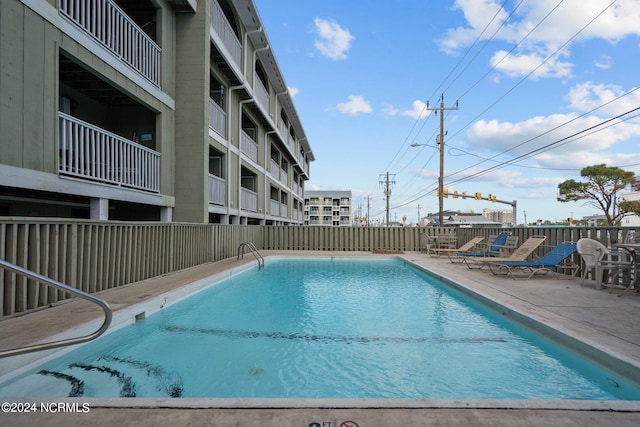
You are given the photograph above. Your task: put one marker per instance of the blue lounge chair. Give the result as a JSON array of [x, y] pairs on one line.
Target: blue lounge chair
[[499, 241], [550, 262]]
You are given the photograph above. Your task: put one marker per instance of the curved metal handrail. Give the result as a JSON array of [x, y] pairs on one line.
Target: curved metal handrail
[[253, 250], [61, 343]]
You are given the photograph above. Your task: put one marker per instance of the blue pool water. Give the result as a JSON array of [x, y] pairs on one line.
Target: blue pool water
[[324, 328]]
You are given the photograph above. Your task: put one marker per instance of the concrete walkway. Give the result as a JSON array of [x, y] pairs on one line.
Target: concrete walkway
[[608, 324]]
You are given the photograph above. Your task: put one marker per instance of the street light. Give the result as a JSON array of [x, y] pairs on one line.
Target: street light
[[440, 191]]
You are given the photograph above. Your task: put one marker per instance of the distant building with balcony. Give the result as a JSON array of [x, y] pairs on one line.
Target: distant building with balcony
[[502, 216], [328, 208], [171, 110]]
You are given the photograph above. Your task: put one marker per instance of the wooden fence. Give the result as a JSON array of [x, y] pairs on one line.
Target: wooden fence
[[96, 256]]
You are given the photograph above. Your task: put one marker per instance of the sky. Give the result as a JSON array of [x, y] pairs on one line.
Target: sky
[[534, 91]]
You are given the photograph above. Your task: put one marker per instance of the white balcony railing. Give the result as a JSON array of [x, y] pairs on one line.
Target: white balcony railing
[[274, 207], [284, 210], [217, 119], [111, 26], [248, 146], [284, 177], [284, 131], [88, 152], [226, 34], [216, 190], [274, 169], [248, 200], [261, 94]]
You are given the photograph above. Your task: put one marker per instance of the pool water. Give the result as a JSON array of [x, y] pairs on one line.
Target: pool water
[[324, 328]]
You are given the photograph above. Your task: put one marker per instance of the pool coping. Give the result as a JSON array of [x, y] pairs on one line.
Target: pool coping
[[156, 303]]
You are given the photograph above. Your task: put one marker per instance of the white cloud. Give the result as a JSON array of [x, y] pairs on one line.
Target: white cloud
[[293, 91], [516, 139], [521, 65], [604, 62], [418, 111], [333, 41], [555, 24], [390, 111], [587, 96], [356, 105]]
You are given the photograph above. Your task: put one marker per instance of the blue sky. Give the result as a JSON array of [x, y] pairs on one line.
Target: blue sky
[[536, 82]]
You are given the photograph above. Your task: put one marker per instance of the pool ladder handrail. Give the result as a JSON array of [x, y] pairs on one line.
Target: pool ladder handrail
[[108, 314], [253, 250]]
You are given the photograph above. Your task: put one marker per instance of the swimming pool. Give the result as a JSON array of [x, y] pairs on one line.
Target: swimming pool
[[325, 328]]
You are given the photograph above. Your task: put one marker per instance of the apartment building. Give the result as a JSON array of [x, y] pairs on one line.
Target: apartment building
[[161, 110], [502, 216], [331, 208]]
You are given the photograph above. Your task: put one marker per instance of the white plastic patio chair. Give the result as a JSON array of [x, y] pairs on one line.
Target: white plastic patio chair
[[604, 266]]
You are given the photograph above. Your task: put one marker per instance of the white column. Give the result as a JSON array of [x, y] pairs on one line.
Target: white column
[[99, 209], [166, 214]]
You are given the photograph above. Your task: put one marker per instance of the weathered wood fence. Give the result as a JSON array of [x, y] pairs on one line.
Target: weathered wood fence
[[96, 256]]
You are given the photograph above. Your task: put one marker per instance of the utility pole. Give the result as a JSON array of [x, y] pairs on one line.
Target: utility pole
[[418, 215], [387, 191], [368, 204], [441, 142]]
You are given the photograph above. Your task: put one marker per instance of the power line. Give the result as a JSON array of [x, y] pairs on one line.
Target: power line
[[547, 147], [469, 49], [533, 70], [526, 155], [552, 129]]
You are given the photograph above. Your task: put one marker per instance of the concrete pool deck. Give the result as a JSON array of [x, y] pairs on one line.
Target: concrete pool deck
[[607, 323]]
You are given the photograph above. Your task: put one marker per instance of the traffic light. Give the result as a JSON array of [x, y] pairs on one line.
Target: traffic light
[[489, 197], [445, 193], [464, 194], [455, 194], [437, 192], [494, 198], [478, 196]]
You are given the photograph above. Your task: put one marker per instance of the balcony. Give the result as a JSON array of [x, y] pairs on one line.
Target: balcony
[[90, 153], [216, 190], [111, 27], [261, 94], [284, 131], [248, 146], [274, 207], [217, 119], [224, 31], [249, 200], [274, 169]]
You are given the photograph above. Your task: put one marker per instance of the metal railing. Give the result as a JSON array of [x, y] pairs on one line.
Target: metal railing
[[217, 190], [217, 118], [89, 152], [253, 250], [225, 32], [111, 26], [108, 315]]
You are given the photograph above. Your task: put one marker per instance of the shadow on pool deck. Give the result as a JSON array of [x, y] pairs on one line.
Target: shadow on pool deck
[[608, 323]]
